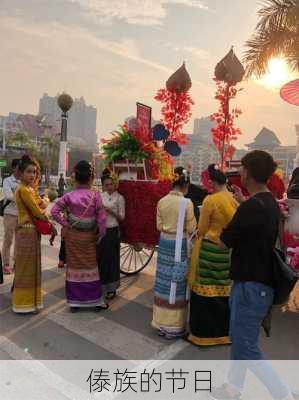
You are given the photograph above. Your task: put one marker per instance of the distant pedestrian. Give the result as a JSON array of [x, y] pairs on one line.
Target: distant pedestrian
[[10, 217], [52, 196], [61, 185], [62, 251]]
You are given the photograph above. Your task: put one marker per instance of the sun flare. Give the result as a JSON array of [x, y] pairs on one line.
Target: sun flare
[[278, 74]]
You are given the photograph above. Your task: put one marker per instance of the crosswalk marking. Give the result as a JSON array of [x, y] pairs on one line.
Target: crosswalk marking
[[110, 335]]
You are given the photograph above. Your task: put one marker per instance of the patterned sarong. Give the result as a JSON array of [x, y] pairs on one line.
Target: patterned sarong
[[209, 309], [83, 286], [27, 295], [169, 318]]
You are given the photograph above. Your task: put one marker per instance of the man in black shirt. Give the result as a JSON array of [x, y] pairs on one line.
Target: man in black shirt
[[252, 235], [195, 193]]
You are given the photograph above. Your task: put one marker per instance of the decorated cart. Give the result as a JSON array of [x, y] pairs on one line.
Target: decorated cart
[[139, 234], [141, 160]]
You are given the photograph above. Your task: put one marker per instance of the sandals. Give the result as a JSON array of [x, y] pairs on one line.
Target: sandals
[[170, 336], [110, 295], [101, 308]]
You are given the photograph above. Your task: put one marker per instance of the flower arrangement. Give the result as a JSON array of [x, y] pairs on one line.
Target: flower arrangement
[[123, 145], [161, 163], [225, 131]]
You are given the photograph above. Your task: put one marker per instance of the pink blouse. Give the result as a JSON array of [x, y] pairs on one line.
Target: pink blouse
[[82, 208]]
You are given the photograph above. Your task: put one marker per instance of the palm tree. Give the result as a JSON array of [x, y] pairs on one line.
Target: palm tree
[[276, 34]]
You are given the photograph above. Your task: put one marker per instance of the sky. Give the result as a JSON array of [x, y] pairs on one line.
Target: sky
[[118, 52]]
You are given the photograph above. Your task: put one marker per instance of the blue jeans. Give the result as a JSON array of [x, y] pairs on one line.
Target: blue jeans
[[249, 305]]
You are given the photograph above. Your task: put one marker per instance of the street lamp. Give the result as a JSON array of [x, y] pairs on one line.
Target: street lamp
[[65, 102]]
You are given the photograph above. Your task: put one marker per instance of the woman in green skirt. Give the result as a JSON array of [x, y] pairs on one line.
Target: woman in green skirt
[[209, 272]]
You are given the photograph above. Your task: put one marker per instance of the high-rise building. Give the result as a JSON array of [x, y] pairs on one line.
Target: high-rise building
[[82, 119], [200, 151], [202, 127]]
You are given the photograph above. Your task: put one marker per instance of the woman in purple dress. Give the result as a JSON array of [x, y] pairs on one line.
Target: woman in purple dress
[[83, 218]]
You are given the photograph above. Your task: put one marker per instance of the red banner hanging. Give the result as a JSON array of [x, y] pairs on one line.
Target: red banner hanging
[[143, 123]]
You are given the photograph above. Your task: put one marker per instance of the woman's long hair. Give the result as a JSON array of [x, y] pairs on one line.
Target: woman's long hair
[[24, 162]]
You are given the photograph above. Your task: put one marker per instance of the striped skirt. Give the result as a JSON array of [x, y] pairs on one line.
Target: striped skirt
[[27, 296], [83, 286], [170, 319], [209, 309]]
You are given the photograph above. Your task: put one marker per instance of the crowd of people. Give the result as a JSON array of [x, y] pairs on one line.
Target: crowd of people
[[230, 273], [90, 236], [214, 276]]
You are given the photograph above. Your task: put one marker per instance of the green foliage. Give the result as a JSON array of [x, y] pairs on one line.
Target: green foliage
[[45, 152], [276, 34], [124, 146]]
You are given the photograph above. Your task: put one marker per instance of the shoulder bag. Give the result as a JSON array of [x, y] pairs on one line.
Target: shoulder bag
[[284, 277]]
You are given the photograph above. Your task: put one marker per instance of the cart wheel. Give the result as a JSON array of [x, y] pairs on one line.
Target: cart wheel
[[134, 258]]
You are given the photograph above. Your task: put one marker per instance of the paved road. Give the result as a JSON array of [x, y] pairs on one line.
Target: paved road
[[122, 332]]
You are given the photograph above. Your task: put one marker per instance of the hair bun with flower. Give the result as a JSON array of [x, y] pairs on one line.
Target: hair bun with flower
[[181, 178], [216, 175]]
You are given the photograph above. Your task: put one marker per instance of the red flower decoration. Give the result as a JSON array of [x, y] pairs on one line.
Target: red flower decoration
[[141, 210], [276, 186], [176, 112], [225, 132]]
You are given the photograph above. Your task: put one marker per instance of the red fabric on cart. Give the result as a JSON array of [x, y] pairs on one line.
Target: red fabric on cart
[[236, 180], [141, 210], [275, 185]]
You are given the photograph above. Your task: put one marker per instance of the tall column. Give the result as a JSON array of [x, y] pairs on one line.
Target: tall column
[[62, 168], [65, 102]]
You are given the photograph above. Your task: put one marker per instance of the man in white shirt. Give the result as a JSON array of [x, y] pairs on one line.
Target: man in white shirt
[[10, 218]]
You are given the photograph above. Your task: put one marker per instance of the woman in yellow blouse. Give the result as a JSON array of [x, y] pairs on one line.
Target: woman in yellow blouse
[[209, 271], [170, 298], [27, 296]]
